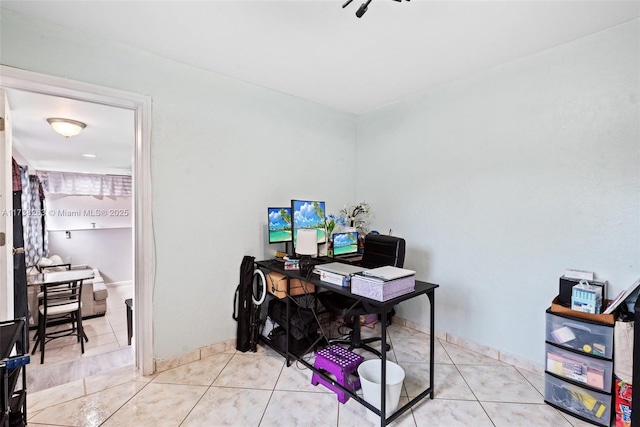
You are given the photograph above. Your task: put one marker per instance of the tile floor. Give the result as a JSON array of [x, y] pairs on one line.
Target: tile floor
[[106, 349], [257, 389]]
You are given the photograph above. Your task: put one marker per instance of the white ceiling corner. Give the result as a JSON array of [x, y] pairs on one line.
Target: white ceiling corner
[[318, 51]]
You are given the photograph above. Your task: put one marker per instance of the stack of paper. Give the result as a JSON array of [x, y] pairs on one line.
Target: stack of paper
[[383, 283]]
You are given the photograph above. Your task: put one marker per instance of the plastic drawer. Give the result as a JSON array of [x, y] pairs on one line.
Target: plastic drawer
[[596, 373], [587, 337], [587, 404]]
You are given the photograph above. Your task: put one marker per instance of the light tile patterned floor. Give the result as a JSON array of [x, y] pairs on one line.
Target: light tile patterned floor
[[107, 347], [257, 389]]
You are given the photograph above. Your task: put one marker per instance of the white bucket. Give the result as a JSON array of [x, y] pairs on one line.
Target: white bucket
[[371, 379]]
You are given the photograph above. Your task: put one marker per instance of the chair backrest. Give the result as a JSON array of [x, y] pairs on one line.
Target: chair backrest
[[381, 250], [55, 267], [57, 294]]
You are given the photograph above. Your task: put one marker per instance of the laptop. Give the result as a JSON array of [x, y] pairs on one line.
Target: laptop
[[388, 273], [340, 268], [345, 245]]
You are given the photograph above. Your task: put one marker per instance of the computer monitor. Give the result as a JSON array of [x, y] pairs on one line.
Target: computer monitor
[[279, 225], [308, 214], [345, 243]]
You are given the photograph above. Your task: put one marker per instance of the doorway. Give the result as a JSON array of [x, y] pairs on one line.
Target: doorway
[[143, 257]]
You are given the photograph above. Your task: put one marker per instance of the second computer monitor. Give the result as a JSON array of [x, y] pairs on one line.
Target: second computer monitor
[[345, 243], [308, 214]]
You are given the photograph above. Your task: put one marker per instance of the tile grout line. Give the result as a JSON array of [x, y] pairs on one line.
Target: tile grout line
[[275, 384]]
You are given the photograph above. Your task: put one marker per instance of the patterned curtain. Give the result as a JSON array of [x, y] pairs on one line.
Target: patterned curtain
[[32, 218]]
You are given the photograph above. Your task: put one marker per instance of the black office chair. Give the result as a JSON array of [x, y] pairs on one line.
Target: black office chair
[[379, 251]]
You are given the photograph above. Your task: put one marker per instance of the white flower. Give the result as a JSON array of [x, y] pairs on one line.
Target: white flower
[[358, 216]]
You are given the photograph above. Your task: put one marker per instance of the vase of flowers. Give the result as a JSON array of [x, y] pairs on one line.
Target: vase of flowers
[[357, 216], [329, 225]]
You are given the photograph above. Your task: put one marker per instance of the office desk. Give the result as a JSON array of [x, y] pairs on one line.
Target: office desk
[[421, 288]]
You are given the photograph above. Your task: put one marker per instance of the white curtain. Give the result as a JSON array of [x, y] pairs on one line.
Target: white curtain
[[85, 184]]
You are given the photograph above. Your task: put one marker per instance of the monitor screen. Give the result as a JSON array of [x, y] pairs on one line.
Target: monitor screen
[[308, 214], [345, 243], [279, 224]]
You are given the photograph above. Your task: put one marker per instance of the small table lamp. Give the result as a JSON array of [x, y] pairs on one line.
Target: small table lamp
[[306, 245]]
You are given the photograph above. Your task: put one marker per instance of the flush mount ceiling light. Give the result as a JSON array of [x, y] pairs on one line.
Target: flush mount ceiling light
[[66, 127], [363, 7]]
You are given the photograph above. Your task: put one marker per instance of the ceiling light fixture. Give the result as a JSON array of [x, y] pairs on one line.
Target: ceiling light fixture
[[66, 127], [363, 7]]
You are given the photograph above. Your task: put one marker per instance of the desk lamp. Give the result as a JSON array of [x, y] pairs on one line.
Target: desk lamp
[[306, 245]]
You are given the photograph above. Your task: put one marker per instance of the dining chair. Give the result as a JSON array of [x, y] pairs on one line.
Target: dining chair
[[59, 303], [55, 267]]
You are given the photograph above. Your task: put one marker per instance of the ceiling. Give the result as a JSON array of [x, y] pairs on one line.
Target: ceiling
[[322, 52], [109, 135]]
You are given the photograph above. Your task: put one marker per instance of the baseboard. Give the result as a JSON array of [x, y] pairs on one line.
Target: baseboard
[[182, 359], [124, 283], [485, 350], [230, 345]]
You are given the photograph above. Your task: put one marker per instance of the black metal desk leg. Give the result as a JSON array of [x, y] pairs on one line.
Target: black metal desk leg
[[287, 344], [432, 341], [383, 377]]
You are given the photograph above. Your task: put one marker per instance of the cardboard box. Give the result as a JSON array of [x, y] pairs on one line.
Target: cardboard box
[[277, 285], [623, 403], [609, 319]]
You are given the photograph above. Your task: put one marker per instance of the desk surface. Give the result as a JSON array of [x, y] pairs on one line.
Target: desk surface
[[420, 287]]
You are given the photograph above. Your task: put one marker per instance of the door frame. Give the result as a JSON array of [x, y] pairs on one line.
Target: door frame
[[144, 256], [6, 218]]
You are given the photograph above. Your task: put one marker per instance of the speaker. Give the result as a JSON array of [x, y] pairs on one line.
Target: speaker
[[566, 288]]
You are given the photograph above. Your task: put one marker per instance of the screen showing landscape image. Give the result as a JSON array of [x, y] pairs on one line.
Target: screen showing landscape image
[[345, 243], [279, 225], [308, 214]]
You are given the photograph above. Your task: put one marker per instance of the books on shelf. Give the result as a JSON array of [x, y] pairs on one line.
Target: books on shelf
[[381, 289]]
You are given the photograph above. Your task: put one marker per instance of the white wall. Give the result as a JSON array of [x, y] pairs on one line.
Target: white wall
[[222, 152], [501, 181], [110, 250], [100, 233], [88, 212]]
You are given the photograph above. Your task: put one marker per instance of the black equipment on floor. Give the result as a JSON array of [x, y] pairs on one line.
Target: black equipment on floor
[[246, 308], [242, 304]]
